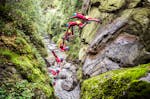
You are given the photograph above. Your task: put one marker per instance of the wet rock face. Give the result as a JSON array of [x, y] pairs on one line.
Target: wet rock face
[[122, 40], [124, 51]]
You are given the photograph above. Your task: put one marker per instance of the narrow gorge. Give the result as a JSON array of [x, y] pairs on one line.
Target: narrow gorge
[[109, 59]]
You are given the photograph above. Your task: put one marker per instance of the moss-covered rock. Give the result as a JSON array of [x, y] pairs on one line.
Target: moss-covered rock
[[140, 24], [82, 52], [109, 11], [118, 84], [133, 3], [108, 6], [27, 62], [90, 29]]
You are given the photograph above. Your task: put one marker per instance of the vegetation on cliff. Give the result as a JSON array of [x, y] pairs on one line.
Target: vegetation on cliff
[[23, 70]]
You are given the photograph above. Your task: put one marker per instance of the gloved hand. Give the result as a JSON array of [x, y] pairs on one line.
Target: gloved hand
[[88, 22]]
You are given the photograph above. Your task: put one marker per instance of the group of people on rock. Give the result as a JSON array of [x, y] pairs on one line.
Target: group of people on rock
[[70, 33]]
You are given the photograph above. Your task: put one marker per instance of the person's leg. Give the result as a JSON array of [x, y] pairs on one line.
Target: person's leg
[[93, 19], [82, 25], [80, 32], [72, 30]]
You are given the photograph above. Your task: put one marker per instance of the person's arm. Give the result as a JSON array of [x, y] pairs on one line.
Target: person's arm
[[83, 25], [72, 29], [54, 54], [63, 42], [72, 17]]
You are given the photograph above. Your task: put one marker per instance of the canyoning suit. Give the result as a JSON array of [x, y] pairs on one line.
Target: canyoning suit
[[84, 18], [70, 25], [75, 23], [53, 72], [58, 60], [62, 45], [68, 34]]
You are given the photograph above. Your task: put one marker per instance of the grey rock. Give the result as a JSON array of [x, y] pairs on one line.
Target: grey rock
[[66, 85], [123, 51], [147, 78]]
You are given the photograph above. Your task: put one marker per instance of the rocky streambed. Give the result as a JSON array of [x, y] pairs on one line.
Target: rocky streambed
[[66, 84]]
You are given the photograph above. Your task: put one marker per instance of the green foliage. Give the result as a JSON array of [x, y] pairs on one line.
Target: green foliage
[[74, 46], [60, 14], [79, 74], [18, 90], [21, 25], [26, 17], [31, 69], [114, 84], [59, 17]]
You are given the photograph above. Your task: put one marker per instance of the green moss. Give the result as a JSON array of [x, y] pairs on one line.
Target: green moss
[[137, 90], [28, 68], [21, 49], [113, 84], [79, 74], [74, 47], [90, 30], [109, 5], [17, 90], [133, 3], [82, 52], [141, 15]]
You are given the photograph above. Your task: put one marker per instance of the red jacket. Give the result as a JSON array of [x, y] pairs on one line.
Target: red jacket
[[78, 23], [79, 16], [86, 18]]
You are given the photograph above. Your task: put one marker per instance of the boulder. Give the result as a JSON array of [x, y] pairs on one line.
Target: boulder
[[147, 78], [118, 84]]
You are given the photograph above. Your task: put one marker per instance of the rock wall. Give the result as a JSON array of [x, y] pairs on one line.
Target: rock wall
[[122, 38], [114, 49]]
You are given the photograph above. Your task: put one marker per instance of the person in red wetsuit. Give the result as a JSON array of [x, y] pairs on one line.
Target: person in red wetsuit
[[75, 23], [58, 60], [54, 72], [84, 18], [69, 33], [62, 45], [71, 24]]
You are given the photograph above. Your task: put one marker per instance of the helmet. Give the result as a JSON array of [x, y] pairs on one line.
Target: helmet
[[69, 30], [78, 22], [67, 48], [57, 71], [74, 14], [67, 25], [61, 59]]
